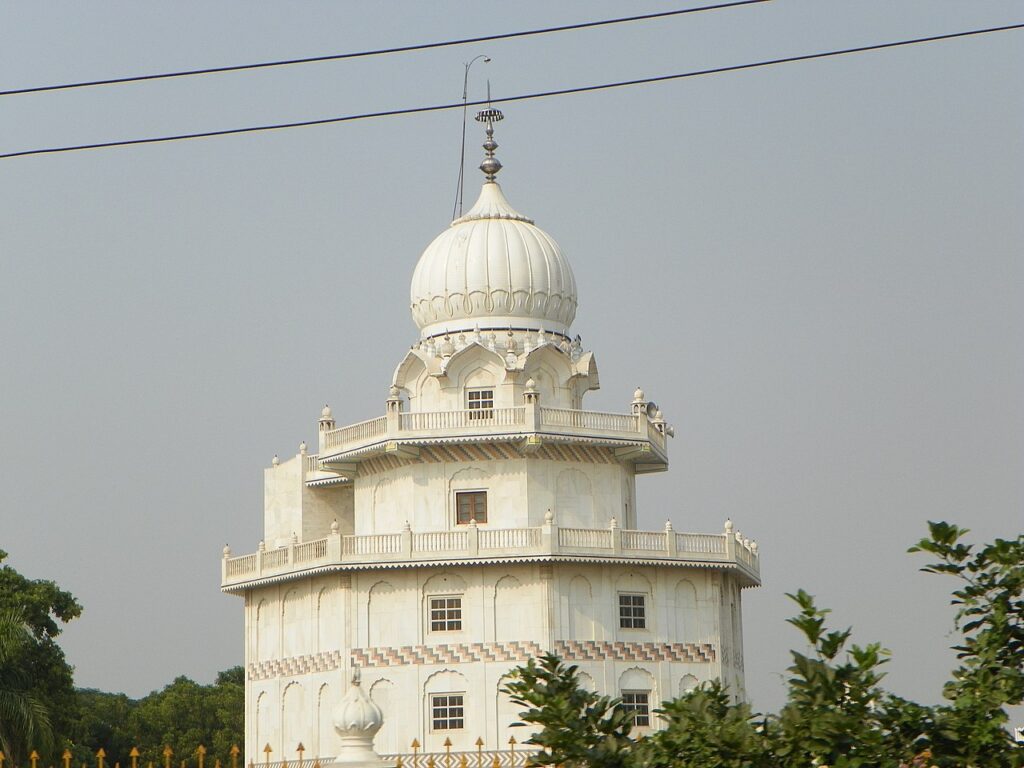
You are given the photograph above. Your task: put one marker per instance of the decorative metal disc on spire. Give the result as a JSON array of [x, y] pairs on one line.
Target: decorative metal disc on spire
[[490, 165]]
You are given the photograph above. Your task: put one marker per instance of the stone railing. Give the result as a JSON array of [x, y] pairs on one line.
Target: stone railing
[[530, 419], [363, 432], [480, 543]]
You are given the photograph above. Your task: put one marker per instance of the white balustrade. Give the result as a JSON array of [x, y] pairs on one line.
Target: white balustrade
[[239, 566], [648, 541], [310, 550], [312, 463], [372, 544], [337, 439], [488, 542], [589, 420], [275, 558], [440, 541], [509, 538], [700, 543], [423, 421], [585, 538]]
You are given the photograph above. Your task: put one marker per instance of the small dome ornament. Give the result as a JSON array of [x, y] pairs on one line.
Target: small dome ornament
[[326, 412], [357, 720]]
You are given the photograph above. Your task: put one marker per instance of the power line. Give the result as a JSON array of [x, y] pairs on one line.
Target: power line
[[381, 51], [521, 97]]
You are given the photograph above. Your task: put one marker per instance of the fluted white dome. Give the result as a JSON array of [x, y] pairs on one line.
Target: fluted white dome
[[492, 268]]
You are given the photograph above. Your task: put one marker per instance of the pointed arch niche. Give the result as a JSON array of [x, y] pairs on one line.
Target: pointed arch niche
[[574, 500], [382, 693], [581, 609]]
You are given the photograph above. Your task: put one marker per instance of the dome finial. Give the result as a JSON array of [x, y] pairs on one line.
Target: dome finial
[[490, 165]]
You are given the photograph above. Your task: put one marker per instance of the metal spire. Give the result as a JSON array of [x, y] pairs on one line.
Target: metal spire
[[490, 165]]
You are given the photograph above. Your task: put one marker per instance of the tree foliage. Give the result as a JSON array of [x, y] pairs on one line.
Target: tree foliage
[[33, 663], [183, 715], [836, 712]]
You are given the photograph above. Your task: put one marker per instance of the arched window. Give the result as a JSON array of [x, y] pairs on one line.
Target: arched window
[[637, 691]]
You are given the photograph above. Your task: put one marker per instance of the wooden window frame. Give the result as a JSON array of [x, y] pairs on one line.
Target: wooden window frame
[[480, 403], [447, 711], [632, 610], [477, 508], [444, 613], [639, 703]]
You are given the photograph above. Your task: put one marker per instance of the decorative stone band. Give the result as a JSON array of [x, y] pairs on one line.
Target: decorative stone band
[[446, 653], [296, 665], [464, 653], [482, 759], [594, 650], [484, 451]]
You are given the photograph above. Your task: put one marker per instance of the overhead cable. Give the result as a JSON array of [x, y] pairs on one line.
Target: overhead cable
[[509, 99], [380, 51]]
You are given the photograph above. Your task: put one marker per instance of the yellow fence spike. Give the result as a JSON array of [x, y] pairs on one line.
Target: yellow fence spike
[[496, 763], [398, 762]]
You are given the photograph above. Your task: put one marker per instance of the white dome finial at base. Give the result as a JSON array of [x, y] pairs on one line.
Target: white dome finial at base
[[357, 720]]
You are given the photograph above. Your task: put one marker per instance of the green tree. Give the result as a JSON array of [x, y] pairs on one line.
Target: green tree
[[42, 607], [577, 728], [830, 716], [704, 728], [971, 730], [24, 718]]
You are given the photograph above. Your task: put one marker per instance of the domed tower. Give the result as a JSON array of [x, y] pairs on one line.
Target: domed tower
[[484, 518]]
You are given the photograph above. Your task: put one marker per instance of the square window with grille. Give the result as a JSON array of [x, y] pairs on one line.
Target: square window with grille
[[639, 703], [447, 711], [445, 614], [480, 403], [632, 611], [470, 505]]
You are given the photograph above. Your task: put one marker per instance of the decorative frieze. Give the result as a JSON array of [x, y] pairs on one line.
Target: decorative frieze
[[467, 653], [597, 650]]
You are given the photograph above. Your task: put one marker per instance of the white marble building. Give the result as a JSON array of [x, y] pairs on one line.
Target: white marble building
[[484, 518]]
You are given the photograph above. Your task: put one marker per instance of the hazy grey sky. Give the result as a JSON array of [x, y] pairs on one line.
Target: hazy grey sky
[[815, 269]]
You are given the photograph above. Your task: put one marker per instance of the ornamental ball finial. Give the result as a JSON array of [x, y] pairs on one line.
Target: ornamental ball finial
[[335, 527], [302, 447], [227, 551], [668, 526], [638, 394], [728, 525], [531, 385], [326, 412], [275, 461], [549, 517], [753, 547]]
